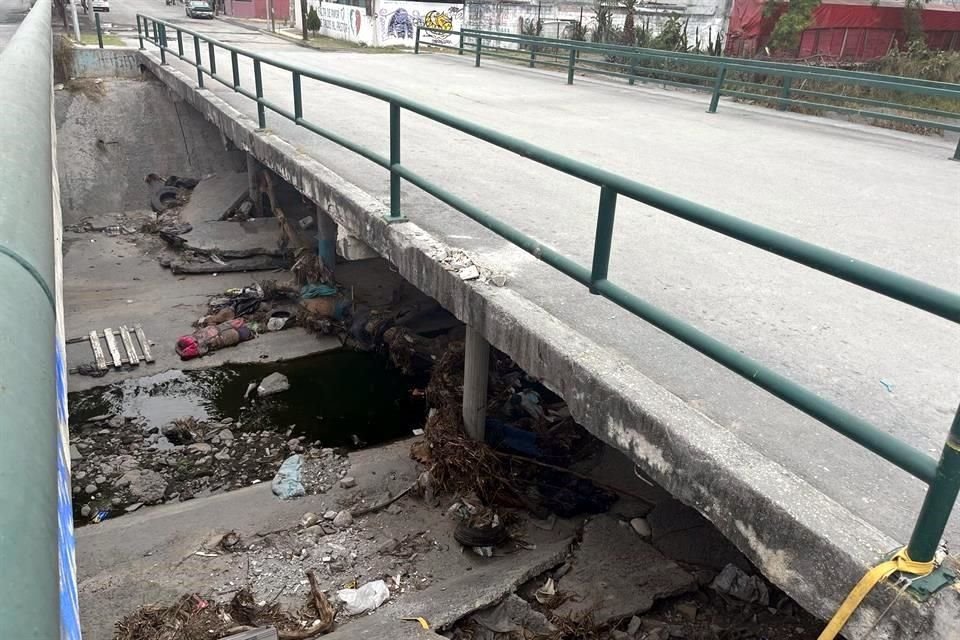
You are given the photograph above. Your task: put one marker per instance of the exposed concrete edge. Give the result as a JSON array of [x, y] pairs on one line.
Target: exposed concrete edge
[[804, 542], [109, 62]]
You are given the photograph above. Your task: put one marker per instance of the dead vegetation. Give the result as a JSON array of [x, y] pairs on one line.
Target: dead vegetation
[[193, 617]]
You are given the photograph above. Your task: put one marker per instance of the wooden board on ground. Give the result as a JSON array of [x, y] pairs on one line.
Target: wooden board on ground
[[132, 358], [112, 347], [97, 351], [144, 343]]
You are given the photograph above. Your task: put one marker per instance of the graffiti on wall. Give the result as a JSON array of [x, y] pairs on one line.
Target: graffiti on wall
[[345, 22], [397, 21]]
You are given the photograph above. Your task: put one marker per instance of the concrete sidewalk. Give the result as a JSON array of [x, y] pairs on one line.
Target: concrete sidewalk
[[888, 198]]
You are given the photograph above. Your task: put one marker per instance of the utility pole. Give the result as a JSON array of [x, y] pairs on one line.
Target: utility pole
[[76, 20], [303, 19], [273, 25]]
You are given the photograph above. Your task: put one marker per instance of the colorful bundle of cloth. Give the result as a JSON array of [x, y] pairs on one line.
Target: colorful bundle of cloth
[[213, 337]]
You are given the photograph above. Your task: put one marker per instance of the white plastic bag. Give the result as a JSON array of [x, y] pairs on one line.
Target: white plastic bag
[[366, 598]]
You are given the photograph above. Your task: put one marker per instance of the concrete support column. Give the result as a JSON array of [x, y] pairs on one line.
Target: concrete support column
[[476, 368], [253, 183], [326, 241]]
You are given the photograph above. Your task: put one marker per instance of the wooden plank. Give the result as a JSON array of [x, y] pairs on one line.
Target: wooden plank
[[144, 344], [132, 357], [112, 346], [97, 351]]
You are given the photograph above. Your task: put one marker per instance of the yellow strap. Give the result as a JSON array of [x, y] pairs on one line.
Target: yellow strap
[[423, 622], [899, 562]]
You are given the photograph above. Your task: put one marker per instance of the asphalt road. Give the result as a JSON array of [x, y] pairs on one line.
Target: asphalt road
[[12, 13]]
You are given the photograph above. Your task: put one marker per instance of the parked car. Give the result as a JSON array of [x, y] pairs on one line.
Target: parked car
[[199, 9], [101, 5]]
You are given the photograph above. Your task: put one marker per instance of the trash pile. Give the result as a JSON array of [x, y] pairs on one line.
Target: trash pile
[[241, 314], [531, 443], [194, 617]]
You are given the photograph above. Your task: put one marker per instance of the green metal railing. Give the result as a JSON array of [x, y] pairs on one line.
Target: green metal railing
[[786, 85], [943, 476]]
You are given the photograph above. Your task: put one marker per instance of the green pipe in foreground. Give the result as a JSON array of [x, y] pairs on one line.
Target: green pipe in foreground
[[29, 589]]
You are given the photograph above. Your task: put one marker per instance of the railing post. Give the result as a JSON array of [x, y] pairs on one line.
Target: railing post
[[297, 98], [395, 214], [533, 55], [460, 46], [96, 20], [236, 70], [571, 63], [479, 46], [180, 43], [258, 86], [717, 86], [196, 53], [213, 58], [603, 239], [956, 153], [416, 41], [784, 93], [633, 70], [163, 42], [156, 35], [939, 501], [140, 33]]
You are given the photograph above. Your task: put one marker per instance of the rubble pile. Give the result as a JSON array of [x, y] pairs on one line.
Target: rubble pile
[[118, 467]]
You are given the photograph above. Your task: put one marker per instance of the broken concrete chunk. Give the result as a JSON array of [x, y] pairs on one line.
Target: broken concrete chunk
[[273, 383], [470, 273], [309, 519], [144, 485], [735, 582], [513, 615], [75, 455], [329, 515], [343, 519], [616, 575], [348, 482]]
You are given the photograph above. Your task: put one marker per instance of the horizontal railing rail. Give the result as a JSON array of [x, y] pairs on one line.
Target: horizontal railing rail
[[943, 476], [778, 84]]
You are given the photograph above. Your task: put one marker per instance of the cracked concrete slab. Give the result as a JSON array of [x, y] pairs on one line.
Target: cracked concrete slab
[[616, 575], [444, 603]]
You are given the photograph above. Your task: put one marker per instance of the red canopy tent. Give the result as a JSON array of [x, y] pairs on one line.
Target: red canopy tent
[[843, 29]]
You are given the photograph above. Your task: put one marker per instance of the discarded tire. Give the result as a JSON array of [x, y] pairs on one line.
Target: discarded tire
[[486, 536], [164, 198]]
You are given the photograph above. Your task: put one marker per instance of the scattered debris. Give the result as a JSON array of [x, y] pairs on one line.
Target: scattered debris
[[194, 617], [735, 582], [365, 599]]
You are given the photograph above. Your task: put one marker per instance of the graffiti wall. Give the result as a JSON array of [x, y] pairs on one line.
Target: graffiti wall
[[344, 22], [397, 21]]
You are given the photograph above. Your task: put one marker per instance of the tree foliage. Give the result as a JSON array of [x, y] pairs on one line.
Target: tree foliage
[[313, 21]]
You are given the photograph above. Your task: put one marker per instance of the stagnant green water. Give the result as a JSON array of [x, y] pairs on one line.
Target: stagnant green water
[[332, 398]]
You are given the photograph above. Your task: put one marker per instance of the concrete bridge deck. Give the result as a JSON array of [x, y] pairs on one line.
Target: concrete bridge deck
[[811, 508]]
